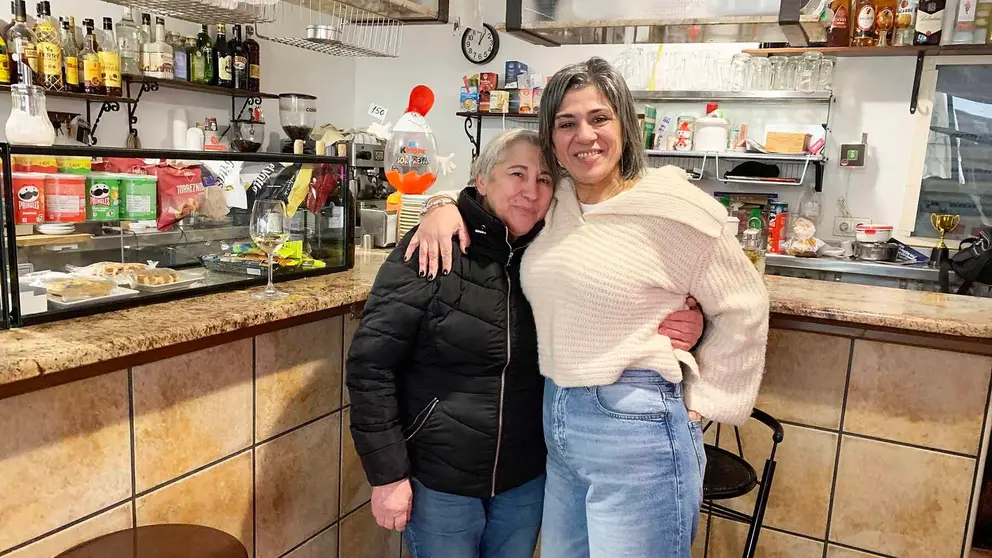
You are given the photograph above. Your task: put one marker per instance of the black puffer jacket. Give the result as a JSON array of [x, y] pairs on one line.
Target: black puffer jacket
[[443, 374]]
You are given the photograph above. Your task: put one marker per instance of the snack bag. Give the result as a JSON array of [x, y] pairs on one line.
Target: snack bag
[[227, 176], [274, 183], [180, 194], [322, 185], [411, 152], [124, 165], [804, 244]]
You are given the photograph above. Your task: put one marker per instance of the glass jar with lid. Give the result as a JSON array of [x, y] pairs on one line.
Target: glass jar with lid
[[754, 245]]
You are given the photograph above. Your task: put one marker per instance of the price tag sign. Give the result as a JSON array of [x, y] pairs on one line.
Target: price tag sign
[[377, 112]]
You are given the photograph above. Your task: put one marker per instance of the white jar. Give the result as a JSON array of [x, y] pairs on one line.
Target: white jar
[[712, 134]]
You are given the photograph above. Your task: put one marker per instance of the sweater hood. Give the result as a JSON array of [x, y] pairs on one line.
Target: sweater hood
[[662, 192]]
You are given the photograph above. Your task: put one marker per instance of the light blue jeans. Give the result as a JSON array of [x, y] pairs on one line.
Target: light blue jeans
[[445, 525], [625, 470]]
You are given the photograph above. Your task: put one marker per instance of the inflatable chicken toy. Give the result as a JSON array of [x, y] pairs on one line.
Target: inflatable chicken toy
[[411, 152]]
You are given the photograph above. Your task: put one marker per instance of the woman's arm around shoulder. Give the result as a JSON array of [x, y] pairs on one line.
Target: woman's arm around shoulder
[[381, 348], [731, 356]]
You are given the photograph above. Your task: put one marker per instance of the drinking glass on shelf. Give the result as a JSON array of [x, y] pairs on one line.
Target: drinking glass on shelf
[[269, 230], [809, 73], [740, 71], [781, 80], [721, 74], [826, 76], [761, 74], [795, 68]]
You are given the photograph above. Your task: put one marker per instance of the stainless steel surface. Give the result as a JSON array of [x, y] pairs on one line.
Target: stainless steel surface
[[729, 96], [205, 11], [875, 251], [849, 266]]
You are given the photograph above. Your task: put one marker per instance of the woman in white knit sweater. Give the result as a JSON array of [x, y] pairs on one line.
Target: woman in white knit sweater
[[622, 247]]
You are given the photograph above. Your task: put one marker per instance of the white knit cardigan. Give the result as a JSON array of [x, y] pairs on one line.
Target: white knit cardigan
[[602, 282]]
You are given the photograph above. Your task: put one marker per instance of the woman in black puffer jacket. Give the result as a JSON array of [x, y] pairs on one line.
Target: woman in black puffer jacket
[[444, 380]]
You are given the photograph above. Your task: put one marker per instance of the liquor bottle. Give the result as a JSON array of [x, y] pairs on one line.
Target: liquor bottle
[[885, 21], [48, 44], [964, 25], [905, 21], [147, 38], [239, 60], [179, 59], [254, 61], [70, 59], [929, 22], [9, 24], [23, 53], [204, 70], [864, 23], [222, 56], [129, 41], [161, 60], [4, 63], [90, 55], [840, 27], [77, 34], [110, 59]]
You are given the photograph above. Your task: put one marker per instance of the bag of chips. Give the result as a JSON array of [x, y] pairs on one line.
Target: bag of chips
[[322, 185], [180, 194]]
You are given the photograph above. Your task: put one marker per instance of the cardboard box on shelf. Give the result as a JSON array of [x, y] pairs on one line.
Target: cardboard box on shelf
[[527, 101], [786, 142], [499, 101], [513, 70], [538, 95], [488, 82]]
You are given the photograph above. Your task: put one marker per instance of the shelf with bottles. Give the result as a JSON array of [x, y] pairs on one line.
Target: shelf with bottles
[[193, 86], [78, 96]]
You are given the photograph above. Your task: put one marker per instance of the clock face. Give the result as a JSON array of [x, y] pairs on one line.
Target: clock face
[[480, 47]]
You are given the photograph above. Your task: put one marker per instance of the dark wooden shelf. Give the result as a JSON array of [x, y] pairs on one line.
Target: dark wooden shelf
[[79, 96], [190, 86], [521, 115], [857, 52]]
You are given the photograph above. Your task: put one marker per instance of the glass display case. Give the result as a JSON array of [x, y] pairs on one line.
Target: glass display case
[[89, 230]]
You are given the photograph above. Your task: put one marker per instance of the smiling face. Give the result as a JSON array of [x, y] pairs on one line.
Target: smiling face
[[587, 136], [28, 194], [519, 190]]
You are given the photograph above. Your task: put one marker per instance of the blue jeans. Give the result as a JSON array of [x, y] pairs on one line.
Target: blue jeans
[[444, 525], [625, 470]]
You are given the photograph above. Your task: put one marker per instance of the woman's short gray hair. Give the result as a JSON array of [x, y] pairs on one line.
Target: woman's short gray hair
[[495, 151], [607, 79]]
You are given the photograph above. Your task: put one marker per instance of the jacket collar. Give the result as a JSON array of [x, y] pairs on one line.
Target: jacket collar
[[489, 235], [663, 192]]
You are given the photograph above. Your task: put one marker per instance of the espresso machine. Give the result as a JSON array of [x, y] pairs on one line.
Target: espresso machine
[[367, 161]]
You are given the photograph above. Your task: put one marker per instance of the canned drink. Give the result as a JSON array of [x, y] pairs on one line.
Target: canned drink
[[778, 226]]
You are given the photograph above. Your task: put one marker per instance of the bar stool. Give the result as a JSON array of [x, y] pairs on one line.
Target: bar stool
[[729, 475], [161, 541]]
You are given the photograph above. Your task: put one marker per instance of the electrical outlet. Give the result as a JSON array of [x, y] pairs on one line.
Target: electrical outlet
[[847, 226]]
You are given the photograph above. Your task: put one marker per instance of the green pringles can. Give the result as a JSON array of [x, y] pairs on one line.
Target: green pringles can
[[138, 195], [103, 199]]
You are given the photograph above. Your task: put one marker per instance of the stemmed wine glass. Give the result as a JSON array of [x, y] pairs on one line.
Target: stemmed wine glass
[[269, 230]]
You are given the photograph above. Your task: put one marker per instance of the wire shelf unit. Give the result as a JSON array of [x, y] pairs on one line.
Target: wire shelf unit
[[333, 28], [207, 11]]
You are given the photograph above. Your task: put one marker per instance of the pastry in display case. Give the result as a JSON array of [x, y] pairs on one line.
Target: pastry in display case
[[88, 230]]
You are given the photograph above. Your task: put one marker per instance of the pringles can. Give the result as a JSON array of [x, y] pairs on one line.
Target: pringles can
[[778, 226]]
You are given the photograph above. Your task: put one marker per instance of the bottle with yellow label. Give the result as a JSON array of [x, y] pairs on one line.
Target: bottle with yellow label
[[48, 45], [4, 63], [110, 59], [92, 70], [23, 54], [70, 58]]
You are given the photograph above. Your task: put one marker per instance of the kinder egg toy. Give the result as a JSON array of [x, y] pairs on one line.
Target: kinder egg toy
[[411, 152]]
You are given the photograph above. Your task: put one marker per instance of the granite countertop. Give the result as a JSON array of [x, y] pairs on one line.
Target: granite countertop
[[50, 348]]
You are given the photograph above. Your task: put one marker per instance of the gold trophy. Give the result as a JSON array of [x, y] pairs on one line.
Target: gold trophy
[[942, 223]]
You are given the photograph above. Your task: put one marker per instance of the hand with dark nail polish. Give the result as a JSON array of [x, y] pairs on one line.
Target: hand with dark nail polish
[[430, 277], [421, 273]]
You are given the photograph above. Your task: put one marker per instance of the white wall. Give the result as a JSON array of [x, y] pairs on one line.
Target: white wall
[[872, 97], [284, 69]]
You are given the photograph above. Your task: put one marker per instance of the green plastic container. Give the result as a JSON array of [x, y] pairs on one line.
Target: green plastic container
[[103, 197], [138, 197]]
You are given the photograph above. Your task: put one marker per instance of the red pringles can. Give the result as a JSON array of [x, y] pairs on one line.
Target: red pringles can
[[778, 226], [29, 198]]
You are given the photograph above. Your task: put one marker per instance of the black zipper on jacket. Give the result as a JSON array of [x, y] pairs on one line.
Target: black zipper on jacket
[[502, 377]]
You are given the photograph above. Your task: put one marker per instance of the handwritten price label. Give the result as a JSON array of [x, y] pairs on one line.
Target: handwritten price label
[[377, 112]]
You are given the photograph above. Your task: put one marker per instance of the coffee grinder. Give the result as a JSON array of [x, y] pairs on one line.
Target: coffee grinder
[[298, 116]]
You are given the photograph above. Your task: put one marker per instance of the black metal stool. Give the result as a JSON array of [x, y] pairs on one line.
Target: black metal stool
[[729, 475], [161, 541]]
